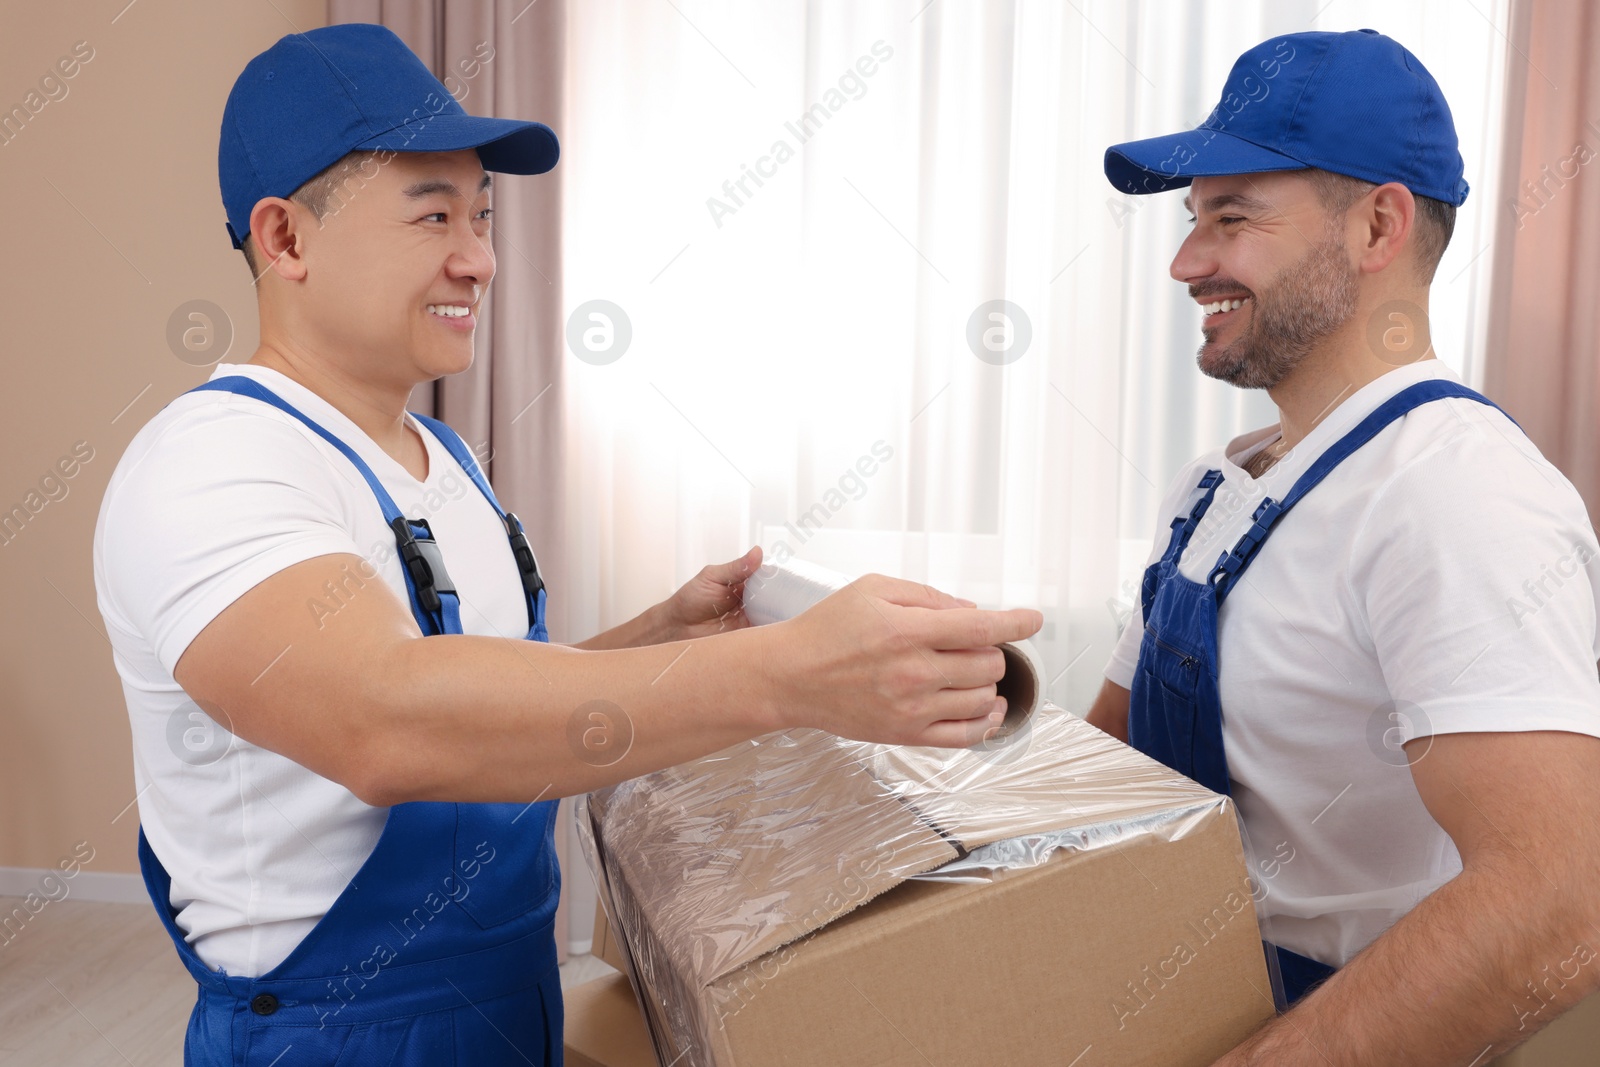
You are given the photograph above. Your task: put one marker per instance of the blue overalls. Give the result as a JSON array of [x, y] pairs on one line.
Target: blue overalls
[[1175, 708], [440, 950]]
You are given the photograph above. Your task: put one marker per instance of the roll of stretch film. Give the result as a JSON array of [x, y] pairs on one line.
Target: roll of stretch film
[[777, 592]]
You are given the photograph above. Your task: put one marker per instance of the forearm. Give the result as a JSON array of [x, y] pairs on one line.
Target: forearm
[[651, 627], [467, 718], [1454, 979]]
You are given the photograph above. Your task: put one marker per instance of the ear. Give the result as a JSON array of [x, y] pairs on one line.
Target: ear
[[275, 230], [1386, 216]]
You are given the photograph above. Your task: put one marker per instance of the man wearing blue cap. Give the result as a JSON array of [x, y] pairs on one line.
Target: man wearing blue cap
[[1390, 579], [346, 830]]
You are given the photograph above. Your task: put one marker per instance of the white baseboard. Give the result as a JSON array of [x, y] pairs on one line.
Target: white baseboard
[[99, 886]]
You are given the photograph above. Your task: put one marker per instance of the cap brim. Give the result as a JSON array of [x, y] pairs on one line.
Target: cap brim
[[1157, 164], [506, 146]]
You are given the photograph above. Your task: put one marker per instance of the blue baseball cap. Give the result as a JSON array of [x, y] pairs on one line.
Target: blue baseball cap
[[310, 99], [1354, 103]]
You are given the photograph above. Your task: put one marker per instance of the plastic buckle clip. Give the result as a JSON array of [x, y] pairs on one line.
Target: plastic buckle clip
[[424, 561], [527, 566], [1228, 564]]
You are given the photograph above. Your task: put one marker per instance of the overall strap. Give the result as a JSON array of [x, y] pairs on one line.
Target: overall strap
[[527, 566], [1182, 529], [434, 602], [1231, 564]]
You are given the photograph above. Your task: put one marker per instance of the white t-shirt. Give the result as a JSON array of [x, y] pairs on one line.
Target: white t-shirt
[[215, 494], [1441, 579]]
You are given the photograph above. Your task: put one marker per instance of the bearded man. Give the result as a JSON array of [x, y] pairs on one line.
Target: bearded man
[[1409, 720]]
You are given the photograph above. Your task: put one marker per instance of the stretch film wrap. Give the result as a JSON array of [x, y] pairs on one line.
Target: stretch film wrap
[[716, 871]]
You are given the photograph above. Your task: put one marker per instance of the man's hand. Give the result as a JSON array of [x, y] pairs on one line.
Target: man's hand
[[896, 662], [712, 601]]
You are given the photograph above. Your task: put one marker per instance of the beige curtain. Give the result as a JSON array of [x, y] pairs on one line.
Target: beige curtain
[[505, 60], [1543, 360]]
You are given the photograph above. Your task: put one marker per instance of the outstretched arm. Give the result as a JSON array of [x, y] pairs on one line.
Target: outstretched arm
[[1494, 954], [362, 698]]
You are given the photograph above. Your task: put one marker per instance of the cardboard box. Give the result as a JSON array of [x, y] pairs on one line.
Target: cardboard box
[[604, 1027], [600, 1011], [767, 902], [606, 947]]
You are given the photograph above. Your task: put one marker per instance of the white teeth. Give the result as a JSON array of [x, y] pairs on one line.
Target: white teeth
[[449, 311], [1222, 305]]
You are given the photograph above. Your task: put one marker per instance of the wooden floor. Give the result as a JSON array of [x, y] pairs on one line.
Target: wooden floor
[[89, 984]]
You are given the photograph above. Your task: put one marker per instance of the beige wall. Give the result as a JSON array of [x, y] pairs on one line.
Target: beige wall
[[113, 220]]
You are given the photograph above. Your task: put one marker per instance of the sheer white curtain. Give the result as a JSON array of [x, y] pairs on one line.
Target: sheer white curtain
[[800, 209], [799, 372]]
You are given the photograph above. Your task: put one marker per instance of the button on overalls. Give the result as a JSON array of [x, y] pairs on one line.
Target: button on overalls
[[440, 950], [1175, 708]]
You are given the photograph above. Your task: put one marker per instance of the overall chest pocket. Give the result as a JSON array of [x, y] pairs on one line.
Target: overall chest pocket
[[1170, 668], [505, 863]]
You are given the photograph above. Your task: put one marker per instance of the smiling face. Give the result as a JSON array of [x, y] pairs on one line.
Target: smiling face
[[391, 277], [1272, 271]]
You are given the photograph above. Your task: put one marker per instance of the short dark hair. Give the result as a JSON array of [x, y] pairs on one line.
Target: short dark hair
[[1435, 219], [322, 194]]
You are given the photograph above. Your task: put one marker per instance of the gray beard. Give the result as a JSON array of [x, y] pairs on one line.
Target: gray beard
[[1304, 305]]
